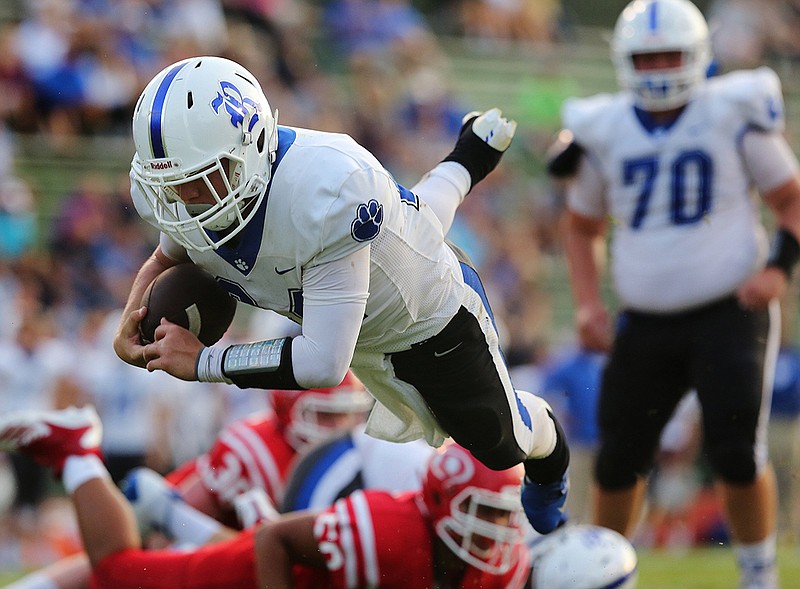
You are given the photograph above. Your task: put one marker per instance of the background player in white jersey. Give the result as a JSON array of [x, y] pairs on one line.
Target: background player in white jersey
[[669, 163], [310, 225]]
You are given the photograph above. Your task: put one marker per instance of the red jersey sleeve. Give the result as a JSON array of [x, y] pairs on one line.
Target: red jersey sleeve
[[373, 538]]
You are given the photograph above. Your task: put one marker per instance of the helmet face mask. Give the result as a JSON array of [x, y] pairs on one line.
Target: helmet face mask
[[483, 527], [476, 512], [648, 27], [203, 120]]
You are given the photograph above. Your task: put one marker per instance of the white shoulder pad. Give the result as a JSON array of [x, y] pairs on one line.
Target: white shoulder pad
[[357, 214], [757, 96], [587, 117], [330, 190]]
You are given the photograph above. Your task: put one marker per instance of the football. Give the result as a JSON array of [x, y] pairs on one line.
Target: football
[[190, 297]]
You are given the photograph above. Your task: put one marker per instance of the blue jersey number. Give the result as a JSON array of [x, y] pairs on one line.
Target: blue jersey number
[[686, 206]]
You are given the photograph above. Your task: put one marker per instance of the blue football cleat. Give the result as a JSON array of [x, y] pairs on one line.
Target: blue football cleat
[[544, 504]]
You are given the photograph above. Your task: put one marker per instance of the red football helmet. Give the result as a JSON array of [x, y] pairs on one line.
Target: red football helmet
[[311, 416], [476, 511]]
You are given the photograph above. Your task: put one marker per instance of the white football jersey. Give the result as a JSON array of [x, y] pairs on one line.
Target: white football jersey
[[686, 219], [329, 197]]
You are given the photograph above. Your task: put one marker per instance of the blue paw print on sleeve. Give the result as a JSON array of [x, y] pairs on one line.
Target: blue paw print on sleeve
[[368, 221]]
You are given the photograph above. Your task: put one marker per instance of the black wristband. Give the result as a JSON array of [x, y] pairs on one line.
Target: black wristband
[[785, 252], [265, 365], [565, 163]]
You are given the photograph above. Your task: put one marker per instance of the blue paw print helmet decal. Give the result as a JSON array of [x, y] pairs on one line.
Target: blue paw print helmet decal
[[367, 223]]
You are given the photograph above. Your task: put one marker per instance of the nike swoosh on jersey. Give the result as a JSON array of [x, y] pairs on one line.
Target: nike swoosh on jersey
[[280, 272], [440, 354]]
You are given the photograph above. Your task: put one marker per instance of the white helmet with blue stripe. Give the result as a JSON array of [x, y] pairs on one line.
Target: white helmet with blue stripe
[[655, 26], [196, 118], [583, 556]]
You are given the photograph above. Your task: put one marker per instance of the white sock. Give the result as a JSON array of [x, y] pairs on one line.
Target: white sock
[[443, 189], [80, 469], [541, 439], [187, 525], [757, 563]]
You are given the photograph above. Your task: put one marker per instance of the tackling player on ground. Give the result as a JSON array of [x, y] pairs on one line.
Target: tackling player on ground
[[460, 530]]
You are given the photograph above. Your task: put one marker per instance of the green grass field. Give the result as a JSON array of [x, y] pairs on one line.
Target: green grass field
[[706, 568]]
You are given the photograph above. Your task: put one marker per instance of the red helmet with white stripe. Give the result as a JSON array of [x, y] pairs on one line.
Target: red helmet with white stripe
[[311, 416], [475, 511]]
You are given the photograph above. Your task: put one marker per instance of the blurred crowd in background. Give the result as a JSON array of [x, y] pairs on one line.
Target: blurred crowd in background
[[70, 71]]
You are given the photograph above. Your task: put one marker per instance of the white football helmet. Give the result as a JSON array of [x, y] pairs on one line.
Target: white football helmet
[[584, 557], [475, 511], [203, 118], [654, 26]]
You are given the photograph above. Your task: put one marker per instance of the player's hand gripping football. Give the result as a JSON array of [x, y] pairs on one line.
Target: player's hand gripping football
[[127, 343], [175, 351]]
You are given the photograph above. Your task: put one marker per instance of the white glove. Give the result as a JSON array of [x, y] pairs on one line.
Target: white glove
[[493, 128]]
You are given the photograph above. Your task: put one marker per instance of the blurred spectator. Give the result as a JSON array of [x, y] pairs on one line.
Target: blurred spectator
[[43, 43], [493, 21], [784, 438], [80, 233], [17, 107], [36, 372], [372, 26], [26, 291], [133, 404], [201, 21], [747, 32], [18, 228], [280, 27], [123, 245], [739, 32], [675, 480], [571, 384]]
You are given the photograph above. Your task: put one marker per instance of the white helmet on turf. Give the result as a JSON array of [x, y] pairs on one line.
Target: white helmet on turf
[[203, 118], [656, 26], [584, 557]]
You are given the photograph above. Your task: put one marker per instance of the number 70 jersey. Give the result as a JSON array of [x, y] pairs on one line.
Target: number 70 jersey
[[678, 197]]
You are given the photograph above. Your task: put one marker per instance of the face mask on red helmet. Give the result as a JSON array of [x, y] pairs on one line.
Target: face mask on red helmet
[[475, 511]]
